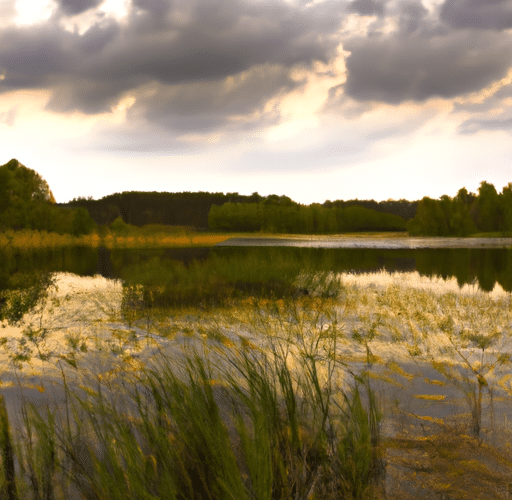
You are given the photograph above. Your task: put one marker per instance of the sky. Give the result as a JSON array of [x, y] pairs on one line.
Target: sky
[[313, 99]]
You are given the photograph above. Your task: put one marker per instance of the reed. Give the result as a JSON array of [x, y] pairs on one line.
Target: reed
[[8, 486], [31, 239], [238, 423]]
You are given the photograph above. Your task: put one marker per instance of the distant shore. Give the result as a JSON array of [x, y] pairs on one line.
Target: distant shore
[[381, 240], [157, 238]]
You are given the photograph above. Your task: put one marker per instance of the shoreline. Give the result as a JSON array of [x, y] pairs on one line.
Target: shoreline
[[368, 241]]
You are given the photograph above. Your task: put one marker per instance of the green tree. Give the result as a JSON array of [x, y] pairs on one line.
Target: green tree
[[487, 208], [506, 206], [431, 218], [119, 227], [82, 222], [461, 223], [25, 197]]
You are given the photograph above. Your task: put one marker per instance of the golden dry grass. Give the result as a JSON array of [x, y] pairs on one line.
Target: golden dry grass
[[27, 239]]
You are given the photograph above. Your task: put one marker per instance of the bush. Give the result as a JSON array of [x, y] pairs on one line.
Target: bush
[[82, 222]]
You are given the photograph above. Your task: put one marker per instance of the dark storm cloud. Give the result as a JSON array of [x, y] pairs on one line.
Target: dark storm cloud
[[73, 7], [411, 15], [177, 56], [169, 43], [29, 62], [477, 14], [436, 53], [197, 106], [96, 38], [400, 66], [367, 7]]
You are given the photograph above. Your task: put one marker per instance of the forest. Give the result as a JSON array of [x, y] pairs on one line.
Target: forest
[[26, 202], [236, 212], [300, 219], [465, 214]]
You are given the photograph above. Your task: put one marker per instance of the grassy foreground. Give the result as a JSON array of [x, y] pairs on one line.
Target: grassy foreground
[[239, 425]]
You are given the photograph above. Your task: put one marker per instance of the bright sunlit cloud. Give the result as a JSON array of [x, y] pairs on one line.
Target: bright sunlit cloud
[[29, 12]]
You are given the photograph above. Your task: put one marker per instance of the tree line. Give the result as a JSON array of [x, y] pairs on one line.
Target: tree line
[[300, 219], [140, 208], [199, 210], [464, 214], [26, 201]]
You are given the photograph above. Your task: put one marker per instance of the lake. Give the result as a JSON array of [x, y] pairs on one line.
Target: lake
[[97, 291], [479, 262], [425, 321]]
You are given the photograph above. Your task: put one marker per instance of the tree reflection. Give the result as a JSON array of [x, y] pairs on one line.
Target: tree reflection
[[26, 276], [193, 276], [21, 291]]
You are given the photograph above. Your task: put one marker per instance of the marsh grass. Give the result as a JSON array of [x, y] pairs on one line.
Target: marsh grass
[[27, 239], [238, 424], [153, 236]]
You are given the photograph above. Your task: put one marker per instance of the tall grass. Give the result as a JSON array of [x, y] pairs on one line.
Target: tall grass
[[145, 237], [27, 239], [237, 424]]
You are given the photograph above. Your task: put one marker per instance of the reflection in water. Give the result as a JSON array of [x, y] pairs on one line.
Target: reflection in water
[[84, 320], [484, 267], [181, 273], [81, 331], [77, 326], [71, 313], [436, 284]]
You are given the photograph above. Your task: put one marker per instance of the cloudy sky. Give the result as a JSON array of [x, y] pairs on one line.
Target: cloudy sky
[[314, 99]]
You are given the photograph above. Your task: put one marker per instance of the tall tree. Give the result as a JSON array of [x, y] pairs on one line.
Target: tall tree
[[25, 197], [488, 210], [461, 223], [506, 206]]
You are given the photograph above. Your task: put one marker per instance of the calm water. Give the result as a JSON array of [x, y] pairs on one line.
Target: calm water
[[482, 267], [190, 270]]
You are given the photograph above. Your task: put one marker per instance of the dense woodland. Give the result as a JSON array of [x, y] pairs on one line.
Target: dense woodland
[[236, 212], [465, 214], [312, 219], [26, 201]]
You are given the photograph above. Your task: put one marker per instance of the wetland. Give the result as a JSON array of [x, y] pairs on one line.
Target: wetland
[[389, 347]]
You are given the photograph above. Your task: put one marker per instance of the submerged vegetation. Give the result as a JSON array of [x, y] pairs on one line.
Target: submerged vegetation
[[225, 418], [318, 389]]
